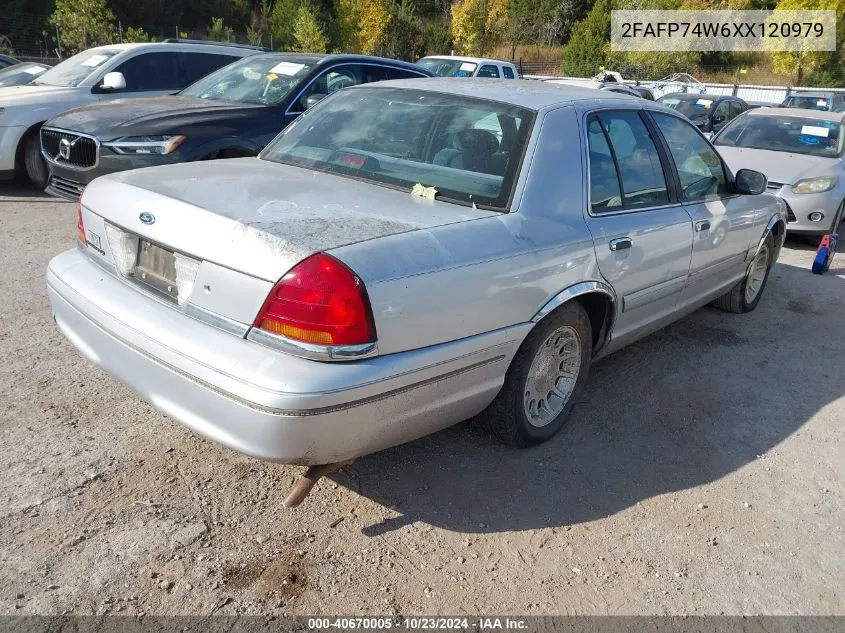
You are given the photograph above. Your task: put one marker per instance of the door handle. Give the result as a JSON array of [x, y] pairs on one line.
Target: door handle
[[703, 225], [621, 244]]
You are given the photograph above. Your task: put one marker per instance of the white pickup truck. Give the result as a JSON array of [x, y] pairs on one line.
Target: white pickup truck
[[99, 74]]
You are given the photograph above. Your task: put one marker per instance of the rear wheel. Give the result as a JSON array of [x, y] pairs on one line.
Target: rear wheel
[[745, 295], [544, 379], [36, 166]]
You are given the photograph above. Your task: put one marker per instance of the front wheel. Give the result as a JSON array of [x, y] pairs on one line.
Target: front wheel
[[745, 295], [36, 166], [544, 379]]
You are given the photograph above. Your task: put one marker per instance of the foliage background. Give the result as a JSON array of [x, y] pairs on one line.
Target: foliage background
[[566, 36]]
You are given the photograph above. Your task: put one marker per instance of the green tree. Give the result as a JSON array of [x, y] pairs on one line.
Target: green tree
[[219, 32], [84, 23], [282, 20], [404, 37], [259, 25], [438, 37], [133, 34], [347, 26], [589, 46], [813, 67], [374, 17], [658, 64], [478, 26], [307, 33]]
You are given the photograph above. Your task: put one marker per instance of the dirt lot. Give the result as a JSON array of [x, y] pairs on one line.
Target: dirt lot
[[703, 473]]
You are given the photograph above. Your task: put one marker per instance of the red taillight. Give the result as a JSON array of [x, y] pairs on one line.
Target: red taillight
[[80, 227], [319, 301]]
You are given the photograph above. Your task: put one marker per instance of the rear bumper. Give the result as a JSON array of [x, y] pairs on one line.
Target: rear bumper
[[261, 402]]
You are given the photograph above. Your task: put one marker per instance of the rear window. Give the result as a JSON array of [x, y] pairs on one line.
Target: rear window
[[468, 150], [448, 67], [807, 102]]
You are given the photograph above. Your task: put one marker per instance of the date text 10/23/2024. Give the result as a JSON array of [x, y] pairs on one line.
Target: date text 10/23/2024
[[420, 623]]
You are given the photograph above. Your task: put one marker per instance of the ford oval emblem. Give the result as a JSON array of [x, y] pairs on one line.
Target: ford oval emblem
[[147, 218]]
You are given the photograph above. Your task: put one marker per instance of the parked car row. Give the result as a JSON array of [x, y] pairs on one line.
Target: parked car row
[[456, 66], [238, 98], [404, 255], [96, 75], [235, 111], [94, 129], [709, 113]]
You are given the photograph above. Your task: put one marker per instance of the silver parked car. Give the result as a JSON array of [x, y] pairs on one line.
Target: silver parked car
[[389, 266], [800, 151]]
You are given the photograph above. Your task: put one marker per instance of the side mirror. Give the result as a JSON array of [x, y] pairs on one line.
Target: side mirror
[[750, 182], [314, 99], [718, 118], [113, 81]]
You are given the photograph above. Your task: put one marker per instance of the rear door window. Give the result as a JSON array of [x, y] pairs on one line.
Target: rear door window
[[488, 70], [605, 192], [634, 157], [197, 65], [152, 72], [385, 73]]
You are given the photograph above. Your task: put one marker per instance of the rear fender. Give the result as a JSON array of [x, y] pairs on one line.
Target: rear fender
[[583, 289]]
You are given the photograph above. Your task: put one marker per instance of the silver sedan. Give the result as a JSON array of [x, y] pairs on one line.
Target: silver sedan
[[800, 151], [405, 256]]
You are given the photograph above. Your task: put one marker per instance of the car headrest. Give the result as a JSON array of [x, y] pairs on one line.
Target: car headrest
[[481, 141]]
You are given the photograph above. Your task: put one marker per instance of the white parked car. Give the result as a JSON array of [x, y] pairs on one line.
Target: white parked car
[[451, 66], [98, 74]]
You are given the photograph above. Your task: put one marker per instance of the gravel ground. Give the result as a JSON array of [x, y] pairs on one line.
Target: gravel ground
[[702, 473]]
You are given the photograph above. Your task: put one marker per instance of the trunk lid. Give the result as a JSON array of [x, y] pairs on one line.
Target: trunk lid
[[251, 221], [259, 217]]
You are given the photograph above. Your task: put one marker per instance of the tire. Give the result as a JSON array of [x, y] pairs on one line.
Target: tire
[[511, 416], [837, 220], [745, 295], [36, 166]]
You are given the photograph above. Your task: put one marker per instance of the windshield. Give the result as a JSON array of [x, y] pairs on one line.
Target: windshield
[[444, 67], [693, 108], [468, 150], [258, 80], [74, 70], [807, 102], [20, 74], [784, 134]]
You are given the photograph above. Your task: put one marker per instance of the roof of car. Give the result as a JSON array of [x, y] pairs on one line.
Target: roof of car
[[369, 58], [125, 46], [460, 58], [315, 59], [697, 95], [812, 93], [535, 95], [800, 113]]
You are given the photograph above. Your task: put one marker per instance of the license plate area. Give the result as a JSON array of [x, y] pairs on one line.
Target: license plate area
[[156, 268]]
